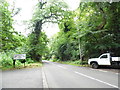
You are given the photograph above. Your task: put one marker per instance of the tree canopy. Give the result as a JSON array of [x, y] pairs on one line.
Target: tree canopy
[[9, 37], [90, 30], [95, 26]]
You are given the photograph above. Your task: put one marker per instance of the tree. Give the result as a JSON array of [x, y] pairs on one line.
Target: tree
[[10, 39], [51, 11], [98, 24], [97, 31]]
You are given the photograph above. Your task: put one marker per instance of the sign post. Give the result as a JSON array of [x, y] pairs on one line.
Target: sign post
[[13, 63], [18, 57]]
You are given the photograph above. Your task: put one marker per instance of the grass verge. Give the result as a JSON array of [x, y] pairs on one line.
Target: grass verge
[[31, 65], [75, 63]]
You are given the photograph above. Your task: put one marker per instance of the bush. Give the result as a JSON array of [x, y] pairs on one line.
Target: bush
[[7, 59], [29, 60], [77, 62], [80, 62], [53, 60], [84, 62]]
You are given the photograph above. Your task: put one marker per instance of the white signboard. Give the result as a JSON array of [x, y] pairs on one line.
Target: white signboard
[[20, 56]]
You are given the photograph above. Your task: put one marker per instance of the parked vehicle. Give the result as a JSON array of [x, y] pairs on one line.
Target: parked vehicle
[[104, 59]]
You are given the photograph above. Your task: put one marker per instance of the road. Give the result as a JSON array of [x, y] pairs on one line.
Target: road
[[68, 76], [56, 75], [23, 78]]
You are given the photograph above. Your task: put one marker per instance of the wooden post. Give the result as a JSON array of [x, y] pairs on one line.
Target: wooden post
[[24, 64], [14, 63]]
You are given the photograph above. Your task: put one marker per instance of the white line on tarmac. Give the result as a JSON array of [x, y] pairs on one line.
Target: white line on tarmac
[[61, 67], [99, 70], [45, 84], [96, 80], [92, 69], [103, 71]]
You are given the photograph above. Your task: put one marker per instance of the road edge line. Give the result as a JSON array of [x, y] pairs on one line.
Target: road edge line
[[103, 71], [61, 67], [97, 80]]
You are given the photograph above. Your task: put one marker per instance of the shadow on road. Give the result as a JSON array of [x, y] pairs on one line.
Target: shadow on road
[[110, 67]]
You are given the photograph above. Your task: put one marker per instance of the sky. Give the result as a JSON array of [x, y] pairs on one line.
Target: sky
[[26, 12]]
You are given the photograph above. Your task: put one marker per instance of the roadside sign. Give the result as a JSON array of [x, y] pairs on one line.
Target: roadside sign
[[19, 56]]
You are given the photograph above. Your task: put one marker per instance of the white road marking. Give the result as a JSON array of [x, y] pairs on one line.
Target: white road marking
[[92, 69], [99, 70], [61, 67], [45, 84], [96, 79], [117, 73], [103, 71]]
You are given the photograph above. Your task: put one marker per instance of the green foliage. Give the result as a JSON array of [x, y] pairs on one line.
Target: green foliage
[[29, 60], [12, 42], [97, 33], [38, 49], [92, 29], [63, 44], [50, 11], [7, 59], [9, 38], [97, 27], [76, 63]]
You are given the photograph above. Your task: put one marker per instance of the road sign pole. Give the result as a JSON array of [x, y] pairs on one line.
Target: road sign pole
[[14, 63], [24, 64]]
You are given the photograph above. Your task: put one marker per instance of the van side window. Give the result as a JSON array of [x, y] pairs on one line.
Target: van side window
[[104, 56]]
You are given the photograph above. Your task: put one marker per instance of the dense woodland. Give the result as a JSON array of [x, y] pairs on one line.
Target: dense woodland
[[90, 30], [96, 29]]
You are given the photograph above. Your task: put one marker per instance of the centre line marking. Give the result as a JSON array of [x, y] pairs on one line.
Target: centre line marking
[[61, 67], [96, 79], [45, 84]]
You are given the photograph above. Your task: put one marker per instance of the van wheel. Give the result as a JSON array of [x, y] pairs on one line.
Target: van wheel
[[94, 65]]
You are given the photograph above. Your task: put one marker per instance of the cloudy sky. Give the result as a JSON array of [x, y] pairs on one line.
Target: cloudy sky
[[27, 7]]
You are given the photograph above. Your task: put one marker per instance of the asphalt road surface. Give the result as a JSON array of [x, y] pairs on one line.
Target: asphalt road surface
[[56, 75], [23, 78], [68, 76]]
